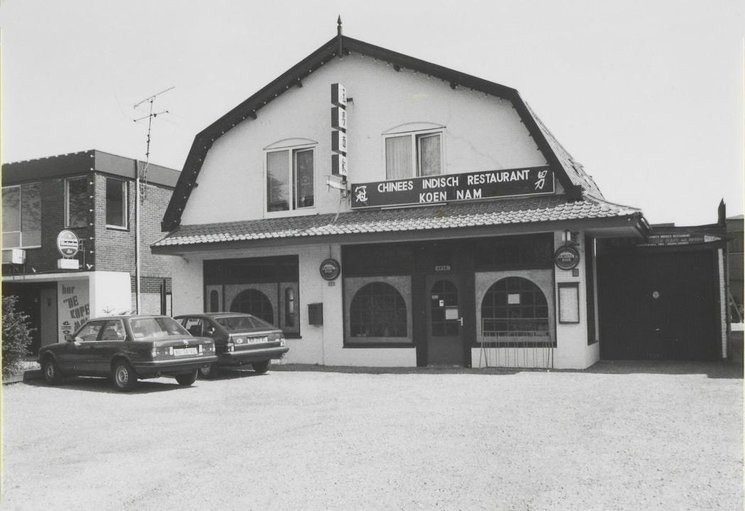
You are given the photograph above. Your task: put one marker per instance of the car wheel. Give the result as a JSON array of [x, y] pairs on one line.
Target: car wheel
[[123, 375], [261, 367], [188, 378], [209, 372], [49, 368]]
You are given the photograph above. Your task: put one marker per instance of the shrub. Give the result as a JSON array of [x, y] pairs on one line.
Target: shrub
[[16, 335]]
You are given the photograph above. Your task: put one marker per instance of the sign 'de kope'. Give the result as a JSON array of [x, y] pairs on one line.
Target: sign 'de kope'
[[454, 187]]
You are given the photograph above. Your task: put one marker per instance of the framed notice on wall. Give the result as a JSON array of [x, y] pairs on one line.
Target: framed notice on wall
[[568, 302]]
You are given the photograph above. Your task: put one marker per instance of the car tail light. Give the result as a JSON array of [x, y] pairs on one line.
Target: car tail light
[[231, 346], [281, 341]]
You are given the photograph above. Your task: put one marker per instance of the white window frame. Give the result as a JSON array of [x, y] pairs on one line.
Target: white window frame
[[414, 137], [293, 199], [67, 198], [20, 217], [125, 204]]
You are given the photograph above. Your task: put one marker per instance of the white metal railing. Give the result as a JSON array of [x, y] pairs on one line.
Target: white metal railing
[[517, 348]]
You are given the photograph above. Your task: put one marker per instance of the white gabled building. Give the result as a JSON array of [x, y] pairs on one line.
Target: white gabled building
[[463, 233]]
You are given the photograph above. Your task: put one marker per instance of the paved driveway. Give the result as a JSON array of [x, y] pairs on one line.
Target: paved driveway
[[619, 436]]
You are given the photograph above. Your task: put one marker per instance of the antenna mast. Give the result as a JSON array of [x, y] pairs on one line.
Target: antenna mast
[[140, 182]]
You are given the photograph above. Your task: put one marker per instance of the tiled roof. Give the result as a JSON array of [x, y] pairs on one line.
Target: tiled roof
[[450, 216], [574, 169]]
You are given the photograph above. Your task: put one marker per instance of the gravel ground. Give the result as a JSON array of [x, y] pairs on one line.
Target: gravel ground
[[620, 436]]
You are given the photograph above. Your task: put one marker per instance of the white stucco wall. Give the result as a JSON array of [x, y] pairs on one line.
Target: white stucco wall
[[323, 345], [572, 350], [482, 132], [110, 293]]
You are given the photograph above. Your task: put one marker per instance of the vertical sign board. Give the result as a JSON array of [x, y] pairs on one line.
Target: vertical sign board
[[73, 307], [339, 130]]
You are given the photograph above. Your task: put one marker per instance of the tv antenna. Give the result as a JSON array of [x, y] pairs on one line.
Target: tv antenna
[[140, 182], [150, 116]]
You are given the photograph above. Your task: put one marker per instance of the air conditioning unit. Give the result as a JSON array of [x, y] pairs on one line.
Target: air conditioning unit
[[14, 256]]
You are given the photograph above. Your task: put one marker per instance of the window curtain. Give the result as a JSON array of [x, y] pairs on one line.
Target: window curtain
[[11, 217], [77, 202], [278, 181], [429, 155], [304, 178], [31, 215], [398, 157]]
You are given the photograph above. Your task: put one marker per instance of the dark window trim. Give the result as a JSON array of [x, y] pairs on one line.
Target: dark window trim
[[568, 285], [551, 343], [125, 204]]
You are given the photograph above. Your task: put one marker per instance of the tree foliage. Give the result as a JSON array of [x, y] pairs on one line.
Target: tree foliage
[[16, 335]]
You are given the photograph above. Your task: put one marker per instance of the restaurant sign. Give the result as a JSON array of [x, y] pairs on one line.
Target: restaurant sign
[[454, 187]]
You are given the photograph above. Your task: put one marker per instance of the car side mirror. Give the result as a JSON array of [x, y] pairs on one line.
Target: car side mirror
[[69, 338], [211, 330]]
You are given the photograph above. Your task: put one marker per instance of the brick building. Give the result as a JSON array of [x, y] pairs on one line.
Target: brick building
[[91, 194]]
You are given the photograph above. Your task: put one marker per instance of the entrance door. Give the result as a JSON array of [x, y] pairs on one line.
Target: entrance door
[[658, 305], [48, 327], [444, 320]]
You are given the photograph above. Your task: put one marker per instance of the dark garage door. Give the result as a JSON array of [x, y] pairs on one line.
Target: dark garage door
[[659, 305]]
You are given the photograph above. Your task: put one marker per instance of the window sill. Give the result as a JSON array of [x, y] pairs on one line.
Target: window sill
[[515, 344], [22, 248], [116, 228], [291, 212], [377, 345]]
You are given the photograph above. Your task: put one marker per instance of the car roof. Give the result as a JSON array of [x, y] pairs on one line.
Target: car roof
[[128, 316], [215, 315]]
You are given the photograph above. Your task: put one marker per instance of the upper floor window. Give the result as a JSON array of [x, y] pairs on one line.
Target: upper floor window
[[116, 203], [77, 202], [22, 216], [289, 179], [413, 154]]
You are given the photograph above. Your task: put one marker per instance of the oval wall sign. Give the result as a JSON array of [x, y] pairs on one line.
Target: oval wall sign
[[330, 269], [68, 243], [566, 257]]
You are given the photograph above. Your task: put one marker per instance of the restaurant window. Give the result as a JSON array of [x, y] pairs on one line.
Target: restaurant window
[[267, 287], [22, 216], [289, 175], [253, 301], [514, 309], [77, 202], [377, 310], [116, 203], [413, 155]]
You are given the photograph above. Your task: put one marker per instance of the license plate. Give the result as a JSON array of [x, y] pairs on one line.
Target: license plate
[[184, 351], [257, 340]]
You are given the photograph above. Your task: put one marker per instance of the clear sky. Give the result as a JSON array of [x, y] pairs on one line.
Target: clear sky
[[646, 94]]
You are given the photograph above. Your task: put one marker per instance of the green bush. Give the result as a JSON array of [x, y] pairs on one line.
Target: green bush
[[16, 335]]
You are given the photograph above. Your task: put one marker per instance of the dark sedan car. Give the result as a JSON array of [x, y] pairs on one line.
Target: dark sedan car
[[127, 348], [240, 339]]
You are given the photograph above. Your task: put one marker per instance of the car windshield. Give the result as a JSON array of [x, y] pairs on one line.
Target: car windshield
[[243, 323], [152, 328]]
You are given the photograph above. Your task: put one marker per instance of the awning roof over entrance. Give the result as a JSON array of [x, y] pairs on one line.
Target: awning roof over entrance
[[525, 214]]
